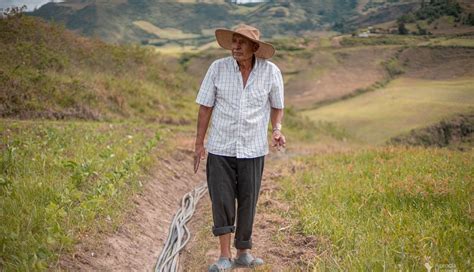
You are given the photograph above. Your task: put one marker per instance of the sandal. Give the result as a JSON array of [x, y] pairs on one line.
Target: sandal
[[247, 260], [223, 264]]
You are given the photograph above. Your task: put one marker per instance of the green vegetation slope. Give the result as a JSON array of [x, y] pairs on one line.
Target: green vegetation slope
[[70, 177], [123, 21], [95, 119], [49, 72], [82, 123]]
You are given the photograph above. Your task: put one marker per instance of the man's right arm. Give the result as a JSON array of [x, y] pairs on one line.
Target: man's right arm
[[204, 116]]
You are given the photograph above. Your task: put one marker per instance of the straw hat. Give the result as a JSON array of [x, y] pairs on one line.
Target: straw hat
[[224, 39]]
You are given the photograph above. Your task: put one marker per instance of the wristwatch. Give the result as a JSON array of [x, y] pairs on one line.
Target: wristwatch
[[277, 127]]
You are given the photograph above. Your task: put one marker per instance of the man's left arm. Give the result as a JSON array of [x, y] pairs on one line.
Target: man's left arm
[[276, 113], [278, 139]]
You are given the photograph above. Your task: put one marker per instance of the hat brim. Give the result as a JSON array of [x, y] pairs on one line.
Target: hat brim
[[224, 39]]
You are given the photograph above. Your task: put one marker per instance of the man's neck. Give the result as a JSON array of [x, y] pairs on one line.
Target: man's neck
[[246, 65]]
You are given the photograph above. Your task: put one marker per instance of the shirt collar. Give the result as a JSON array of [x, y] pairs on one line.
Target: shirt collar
[[236, 65]]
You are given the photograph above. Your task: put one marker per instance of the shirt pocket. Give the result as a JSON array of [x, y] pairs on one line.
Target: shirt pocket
[[259, 94]]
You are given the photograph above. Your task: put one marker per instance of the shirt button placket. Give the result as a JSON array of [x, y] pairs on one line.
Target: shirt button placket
[[239, 146]]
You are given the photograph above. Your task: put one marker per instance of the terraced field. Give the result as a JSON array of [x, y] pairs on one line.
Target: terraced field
[[403, 105]]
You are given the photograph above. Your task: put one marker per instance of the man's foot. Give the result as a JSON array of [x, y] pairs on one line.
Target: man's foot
[[223, 264], [247, 260]]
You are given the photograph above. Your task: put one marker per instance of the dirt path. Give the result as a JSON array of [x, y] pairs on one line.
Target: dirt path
[[136, 244], [273, 242]]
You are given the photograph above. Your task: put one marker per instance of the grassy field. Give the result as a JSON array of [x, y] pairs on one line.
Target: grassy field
[[62, 180], [386, 209], [73, 77], [164, 33], [177, 50], [465, 42], [403, 105], [59, 180]]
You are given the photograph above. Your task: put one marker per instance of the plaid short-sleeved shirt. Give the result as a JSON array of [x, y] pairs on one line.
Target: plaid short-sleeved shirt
[[240, 115]]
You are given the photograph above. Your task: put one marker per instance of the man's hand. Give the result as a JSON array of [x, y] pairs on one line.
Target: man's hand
[[278, 139], [199, 154]]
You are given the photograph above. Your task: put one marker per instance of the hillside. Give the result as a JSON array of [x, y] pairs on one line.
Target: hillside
[[321, 70], [48, 72], [442, 17], [82, 125], [95, 143], [456, 132], [427, 84], [192, 22]]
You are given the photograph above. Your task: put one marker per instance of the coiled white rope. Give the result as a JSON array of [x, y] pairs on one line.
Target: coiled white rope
[[179, 233]]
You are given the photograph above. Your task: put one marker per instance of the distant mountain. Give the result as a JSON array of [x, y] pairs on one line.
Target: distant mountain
[[30, 4], [191, 22]]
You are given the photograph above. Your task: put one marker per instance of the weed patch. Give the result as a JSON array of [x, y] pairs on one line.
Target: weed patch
[[59, 180]]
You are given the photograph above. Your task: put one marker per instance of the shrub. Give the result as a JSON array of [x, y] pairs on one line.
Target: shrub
[[438, 8], [402, 30]]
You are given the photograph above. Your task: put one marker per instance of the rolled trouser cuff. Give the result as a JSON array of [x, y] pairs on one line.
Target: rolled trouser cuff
[[243, 244], [222, 230]]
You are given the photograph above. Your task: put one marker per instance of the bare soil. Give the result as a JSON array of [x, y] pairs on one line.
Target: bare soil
[[438, 63], [352, 69], [440, 27], [138, 241]]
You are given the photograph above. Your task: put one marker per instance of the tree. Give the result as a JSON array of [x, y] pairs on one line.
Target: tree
[[402, 30], [469, 20], [407, 18]]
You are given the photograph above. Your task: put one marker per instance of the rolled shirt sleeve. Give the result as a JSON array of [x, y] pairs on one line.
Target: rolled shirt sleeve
[[207, 92], [276, 92]]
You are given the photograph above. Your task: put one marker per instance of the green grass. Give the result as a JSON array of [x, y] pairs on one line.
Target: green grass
[[408, 40], [325, 42], [59, 180], [403, 105], [383, 40], [447, 41], [164, 33], [299, 128], [392, 209], [48, 72]]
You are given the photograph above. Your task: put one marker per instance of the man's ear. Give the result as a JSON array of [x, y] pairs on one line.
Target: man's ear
[[256, 46]]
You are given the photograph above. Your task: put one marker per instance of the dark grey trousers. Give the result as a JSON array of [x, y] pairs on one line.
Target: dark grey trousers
[[232, 180]]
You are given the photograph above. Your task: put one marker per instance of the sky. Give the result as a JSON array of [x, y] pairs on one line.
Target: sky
[[31, 4]]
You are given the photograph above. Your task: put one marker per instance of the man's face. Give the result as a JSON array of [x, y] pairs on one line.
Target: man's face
[[243, 48]]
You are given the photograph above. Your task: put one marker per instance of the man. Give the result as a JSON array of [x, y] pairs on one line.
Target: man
[[241, 93]]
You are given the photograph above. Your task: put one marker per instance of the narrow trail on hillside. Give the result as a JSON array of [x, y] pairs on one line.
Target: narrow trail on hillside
[[281, 251], [137, 243]]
